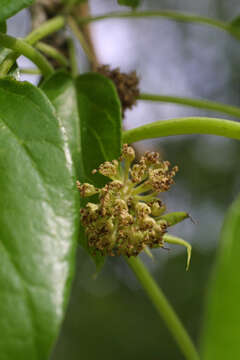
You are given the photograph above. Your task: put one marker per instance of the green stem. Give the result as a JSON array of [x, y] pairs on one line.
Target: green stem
[[73, 57], [52, 52], [30, 71], [7, 64], [164, 308], [196, 103], [44, 30], [184, 126], [80, 36], [177, 16], [23, 48]]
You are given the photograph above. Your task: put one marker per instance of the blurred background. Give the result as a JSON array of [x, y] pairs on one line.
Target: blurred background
[[110, 317]]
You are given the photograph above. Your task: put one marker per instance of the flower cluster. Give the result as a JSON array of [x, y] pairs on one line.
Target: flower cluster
[[129, 216]]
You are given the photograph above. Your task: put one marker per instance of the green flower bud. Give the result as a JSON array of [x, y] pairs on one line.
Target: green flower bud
[[86, 189], [147, 222], [128, 153], [157, 208], [142, 209]]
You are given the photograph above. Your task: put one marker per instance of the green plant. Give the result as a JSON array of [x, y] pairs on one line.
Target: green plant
[[54, 135]]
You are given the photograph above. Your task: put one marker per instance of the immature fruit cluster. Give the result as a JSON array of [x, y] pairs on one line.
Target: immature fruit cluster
[[126, 84], [128, 217]]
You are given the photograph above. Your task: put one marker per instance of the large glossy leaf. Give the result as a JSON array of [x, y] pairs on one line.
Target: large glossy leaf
[[9, 8], [38, 223], [61, 91], [221, 332]]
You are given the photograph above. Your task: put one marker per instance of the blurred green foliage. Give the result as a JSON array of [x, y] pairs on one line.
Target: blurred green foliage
[[123, 323]]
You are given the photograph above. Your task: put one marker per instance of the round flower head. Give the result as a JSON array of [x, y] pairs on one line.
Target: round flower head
[[129, 216]]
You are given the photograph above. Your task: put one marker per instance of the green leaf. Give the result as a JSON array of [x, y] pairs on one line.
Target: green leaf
[[61, 91], [100, 129], [38, 223], [222, 320], [100, 123], [131, 3], [9, 8]]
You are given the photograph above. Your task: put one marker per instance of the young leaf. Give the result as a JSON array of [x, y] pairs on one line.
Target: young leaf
[[100, 129], [131, 3], [100, 123], [222, 320], [38, 223], [9, 8]]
